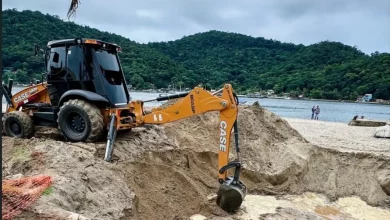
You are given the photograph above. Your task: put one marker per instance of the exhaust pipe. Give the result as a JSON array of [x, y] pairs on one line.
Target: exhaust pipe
[[6, 90], [10, 83]]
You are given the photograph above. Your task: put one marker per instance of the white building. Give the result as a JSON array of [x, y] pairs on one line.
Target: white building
[[367, 98]]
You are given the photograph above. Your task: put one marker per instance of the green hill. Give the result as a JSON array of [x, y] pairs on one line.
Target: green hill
[[329, 70]]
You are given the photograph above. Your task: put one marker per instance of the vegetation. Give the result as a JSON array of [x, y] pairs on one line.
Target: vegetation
[[329, 70], [48, 191]]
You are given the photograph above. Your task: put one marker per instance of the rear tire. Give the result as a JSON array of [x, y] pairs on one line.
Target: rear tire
[[79, 120], [53, 94], [18, 124]]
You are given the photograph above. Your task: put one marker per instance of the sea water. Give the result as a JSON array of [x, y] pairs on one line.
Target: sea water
[[330, 111]]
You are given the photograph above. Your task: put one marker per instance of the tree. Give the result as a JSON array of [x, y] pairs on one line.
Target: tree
[[382, 92], [294, 94], [278, 88], [17, 65], [316, 94], [180, 84], [22, 77], [138, 81]]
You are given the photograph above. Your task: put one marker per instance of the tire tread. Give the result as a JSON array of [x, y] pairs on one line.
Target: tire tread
[[26, 123], [94, 114]]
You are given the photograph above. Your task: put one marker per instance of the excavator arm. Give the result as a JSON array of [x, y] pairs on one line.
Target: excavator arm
[[199, 101]]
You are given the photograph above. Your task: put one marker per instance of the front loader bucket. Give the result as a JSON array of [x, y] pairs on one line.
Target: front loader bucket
[[231, 194]]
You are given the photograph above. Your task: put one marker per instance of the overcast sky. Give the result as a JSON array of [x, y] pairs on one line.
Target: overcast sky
[[364, 23]]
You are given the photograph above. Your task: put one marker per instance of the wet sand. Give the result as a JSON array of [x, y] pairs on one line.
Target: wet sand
[[309, 206]]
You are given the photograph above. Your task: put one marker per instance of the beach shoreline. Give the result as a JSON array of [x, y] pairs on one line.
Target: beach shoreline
[[340, 136]]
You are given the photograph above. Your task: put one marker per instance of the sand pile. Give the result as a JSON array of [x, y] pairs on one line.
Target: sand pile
[[168, 171]]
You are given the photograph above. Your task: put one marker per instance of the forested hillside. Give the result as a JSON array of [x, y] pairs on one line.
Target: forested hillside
[[328, 70]]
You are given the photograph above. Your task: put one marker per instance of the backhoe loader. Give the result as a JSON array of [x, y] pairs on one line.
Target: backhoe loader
[[85, 96]]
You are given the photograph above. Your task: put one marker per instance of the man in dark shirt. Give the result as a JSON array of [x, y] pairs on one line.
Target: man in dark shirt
[[313, 110]]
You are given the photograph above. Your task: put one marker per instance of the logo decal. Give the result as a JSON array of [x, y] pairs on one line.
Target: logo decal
[[157, 119], [192, 104], [25, 95], [222, 139]]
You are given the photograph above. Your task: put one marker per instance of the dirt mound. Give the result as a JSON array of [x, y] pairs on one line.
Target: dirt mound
[[167, 172], [339, 174]]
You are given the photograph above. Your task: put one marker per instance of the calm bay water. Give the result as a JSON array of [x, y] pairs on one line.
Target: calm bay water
[[330, 111]]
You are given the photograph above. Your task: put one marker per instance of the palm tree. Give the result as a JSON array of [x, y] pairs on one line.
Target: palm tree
[[73, 7]]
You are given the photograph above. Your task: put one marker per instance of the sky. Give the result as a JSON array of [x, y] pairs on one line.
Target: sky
[[361, 23]]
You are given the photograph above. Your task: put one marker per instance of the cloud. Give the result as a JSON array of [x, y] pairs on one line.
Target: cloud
[[363, 23]]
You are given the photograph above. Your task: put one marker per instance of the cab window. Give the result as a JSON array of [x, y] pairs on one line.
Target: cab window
[[57, 62]]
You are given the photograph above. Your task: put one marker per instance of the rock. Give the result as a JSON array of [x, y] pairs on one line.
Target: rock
[[198, 217], [212, 197], [16, 176], [75, 216]]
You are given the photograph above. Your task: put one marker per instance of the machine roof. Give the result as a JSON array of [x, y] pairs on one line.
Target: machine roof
[[62, 42]]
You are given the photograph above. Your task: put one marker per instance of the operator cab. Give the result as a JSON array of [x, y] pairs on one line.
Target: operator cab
[[86, 65]]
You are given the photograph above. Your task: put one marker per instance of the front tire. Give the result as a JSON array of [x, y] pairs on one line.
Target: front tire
[[18, 124], [79, 120]]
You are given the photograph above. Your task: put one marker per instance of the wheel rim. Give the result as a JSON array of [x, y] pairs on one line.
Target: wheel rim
[[15, 128], [75, 122]]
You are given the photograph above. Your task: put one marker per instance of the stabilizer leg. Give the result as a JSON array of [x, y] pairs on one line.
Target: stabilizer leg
[[110, 139]]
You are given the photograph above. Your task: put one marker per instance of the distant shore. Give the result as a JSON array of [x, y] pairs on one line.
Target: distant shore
[[269, 97], [245, 96]]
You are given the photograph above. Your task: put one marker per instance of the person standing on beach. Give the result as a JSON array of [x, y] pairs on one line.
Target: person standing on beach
[[313, 110], [317, 112]]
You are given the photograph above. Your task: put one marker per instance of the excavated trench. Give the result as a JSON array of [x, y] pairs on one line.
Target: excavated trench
[[167, 172]]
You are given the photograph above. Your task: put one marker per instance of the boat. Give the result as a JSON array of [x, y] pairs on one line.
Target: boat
[[366, 123]]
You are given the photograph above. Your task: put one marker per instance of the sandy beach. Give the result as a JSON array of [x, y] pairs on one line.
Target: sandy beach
[[340, 136], [294, 169]]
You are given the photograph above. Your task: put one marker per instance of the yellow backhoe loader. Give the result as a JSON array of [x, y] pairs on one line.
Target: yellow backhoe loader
[[85, 96]]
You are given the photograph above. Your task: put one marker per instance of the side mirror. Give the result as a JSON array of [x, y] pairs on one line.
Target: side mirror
[[56, 57]]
